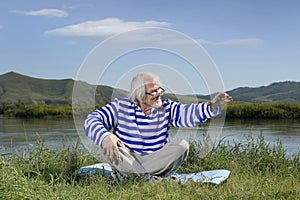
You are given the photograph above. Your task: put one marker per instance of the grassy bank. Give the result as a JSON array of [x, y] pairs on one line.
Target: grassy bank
[[263, 111], [234, 110], [258, 171], [22, 110]]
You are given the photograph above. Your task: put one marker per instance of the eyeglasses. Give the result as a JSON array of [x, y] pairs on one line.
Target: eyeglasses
[[153, 93]]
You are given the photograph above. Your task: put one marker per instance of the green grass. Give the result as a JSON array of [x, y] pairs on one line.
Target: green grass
[[233, 111], [258, 171], [22, 110], [263, 111]]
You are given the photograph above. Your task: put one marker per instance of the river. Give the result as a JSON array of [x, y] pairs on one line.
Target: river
[[17, 135]]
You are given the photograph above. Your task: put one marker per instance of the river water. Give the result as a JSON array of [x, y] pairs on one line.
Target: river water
[[17, 135]]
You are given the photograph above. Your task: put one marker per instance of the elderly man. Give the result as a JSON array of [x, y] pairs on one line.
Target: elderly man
[[138, 141]]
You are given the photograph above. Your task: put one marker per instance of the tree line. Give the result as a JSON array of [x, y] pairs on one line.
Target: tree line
[[22, 110], [233, 110], [263, 111]]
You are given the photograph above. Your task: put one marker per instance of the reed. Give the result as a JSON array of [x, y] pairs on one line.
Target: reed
[[263, 111], [233, 111]]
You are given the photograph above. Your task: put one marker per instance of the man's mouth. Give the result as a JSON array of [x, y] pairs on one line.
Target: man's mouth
[[155, 98]]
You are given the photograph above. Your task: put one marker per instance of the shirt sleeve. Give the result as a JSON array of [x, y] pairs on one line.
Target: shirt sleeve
[[189, 115], [99, 122]]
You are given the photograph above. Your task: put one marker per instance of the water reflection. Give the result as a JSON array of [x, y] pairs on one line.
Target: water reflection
[[287, 131], [21, 134]]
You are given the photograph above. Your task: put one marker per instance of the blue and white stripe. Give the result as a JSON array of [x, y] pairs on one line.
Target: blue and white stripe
[[143, 134]]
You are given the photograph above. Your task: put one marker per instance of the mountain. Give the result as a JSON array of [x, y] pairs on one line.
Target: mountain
[[286, 92], [17, 87]]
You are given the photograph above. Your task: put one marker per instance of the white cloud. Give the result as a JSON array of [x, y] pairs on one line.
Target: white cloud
[[112, 26], [42, 12], [233, 42], [70, 7], [201, 41], [1, 27], [76, 6], [241, 42], [105, 27]]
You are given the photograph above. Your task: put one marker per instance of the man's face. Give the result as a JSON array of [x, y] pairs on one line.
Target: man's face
[[153, 95]]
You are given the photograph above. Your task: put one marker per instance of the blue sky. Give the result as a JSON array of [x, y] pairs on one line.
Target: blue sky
[[252, 43]]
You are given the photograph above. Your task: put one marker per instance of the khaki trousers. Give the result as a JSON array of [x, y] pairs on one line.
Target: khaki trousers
[[163, 162]]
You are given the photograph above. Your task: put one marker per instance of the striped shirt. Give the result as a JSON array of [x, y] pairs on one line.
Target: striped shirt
[[143, 133]]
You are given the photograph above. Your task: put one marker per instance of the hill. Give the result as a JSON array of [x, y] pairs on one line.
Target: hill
[[15, 87], [285, 92]]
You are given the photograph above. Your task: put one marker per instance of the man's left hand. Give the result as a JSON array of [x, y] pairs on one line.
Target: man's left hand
[[220, 99]]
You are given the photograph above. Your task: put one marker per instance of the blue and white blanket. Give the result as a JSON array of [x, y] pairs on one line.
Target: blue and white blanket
[[212, 176]]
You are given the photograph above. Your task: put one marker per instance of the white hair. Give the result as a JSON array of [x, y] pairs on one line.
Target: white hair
[[138, 92]]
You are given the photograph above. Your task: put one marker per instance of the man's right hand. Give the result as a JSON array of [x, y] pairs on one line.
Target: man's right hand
[[110, 146]]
